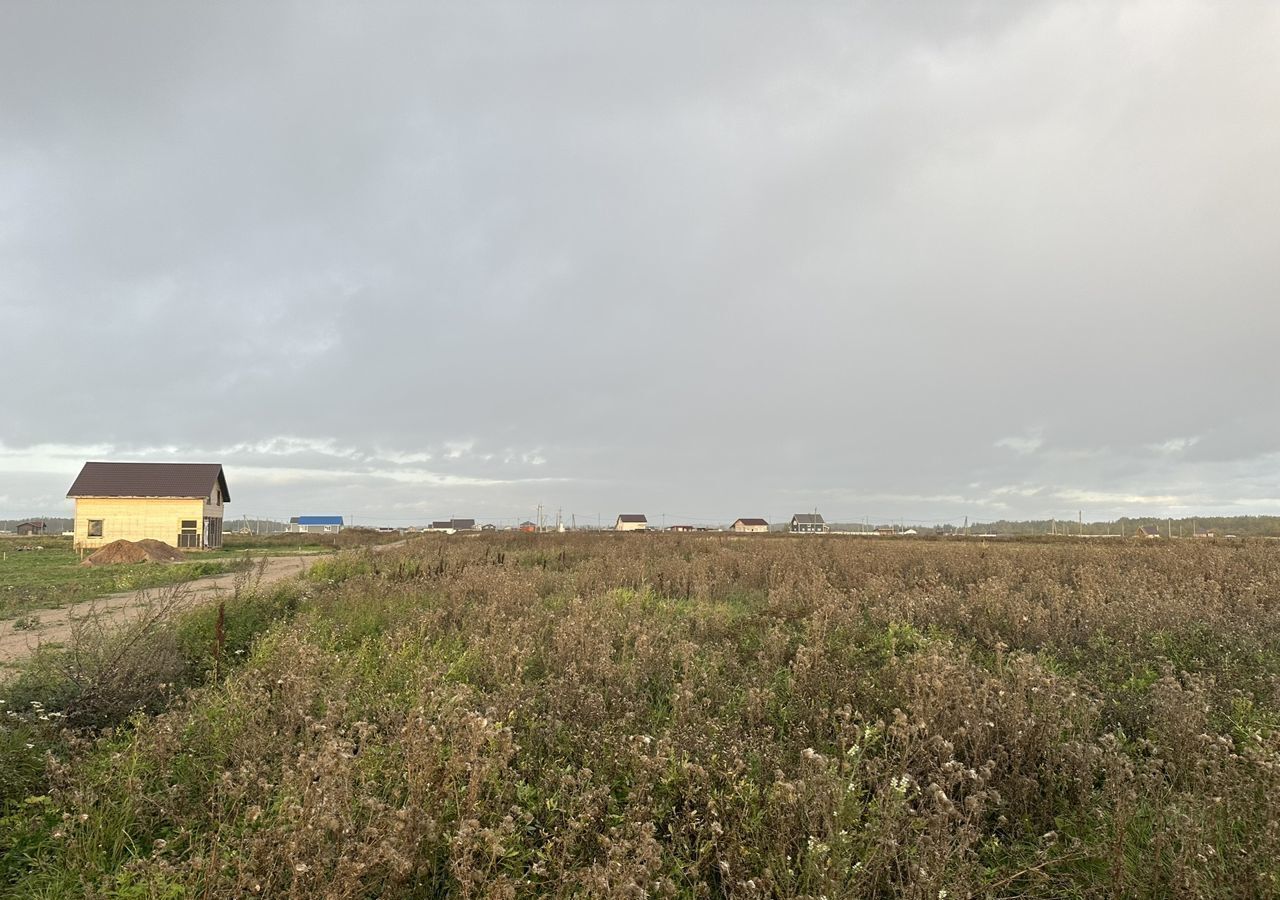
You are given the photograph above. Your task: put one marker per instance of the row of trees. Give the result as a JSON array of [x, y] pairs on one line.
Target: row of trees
[[52, 525], [1241, 526]]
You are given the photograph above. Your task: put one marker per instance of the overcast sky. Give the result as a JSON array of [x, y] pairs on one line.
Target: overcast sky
[[914, 260]]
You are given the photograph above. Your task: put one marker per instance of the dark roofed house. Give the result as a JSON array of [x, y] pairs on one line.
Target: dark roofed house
[[808, 523], [29, 528], [750, 526], [631, 522], [449, 526], [178, 503], [1148, 531]]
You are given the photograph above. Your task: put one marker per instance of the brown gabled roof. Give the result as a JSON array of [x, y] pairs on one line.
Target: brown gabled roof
[[632, 517], [112, 479], [752, 522]]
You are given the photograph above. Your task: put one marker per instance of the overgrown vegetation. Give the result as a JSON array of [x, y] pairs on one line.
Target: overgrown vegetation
[[51, 576], [699, 716], [347, 539]]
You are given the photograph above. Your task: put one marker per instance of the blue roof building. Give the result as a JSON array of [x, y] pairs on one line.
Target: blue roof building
[[316, 524]]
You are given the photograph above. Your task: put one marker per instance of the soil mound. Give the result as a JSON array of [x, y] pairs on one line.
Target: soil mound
[[159, 551], [118, 552]]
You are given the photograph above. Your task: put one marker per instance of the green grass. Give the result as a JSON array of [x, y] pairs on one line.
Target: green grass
[[693, 719], [348, 539], [277, 544], [53, 577]]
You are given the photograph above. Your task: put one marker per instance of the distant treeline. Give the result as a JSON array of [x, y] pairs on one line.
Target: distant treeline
[[254, 526], [1241, 526], [52, 525], [59, 524]]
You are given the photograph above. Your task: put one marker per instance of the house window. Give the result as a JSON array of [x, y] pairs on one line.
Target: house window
[[189, 536], [95, 528]]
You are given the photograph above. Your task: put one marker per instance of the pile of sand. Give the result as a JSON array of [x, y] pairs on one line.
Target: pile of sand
[[129, 552]]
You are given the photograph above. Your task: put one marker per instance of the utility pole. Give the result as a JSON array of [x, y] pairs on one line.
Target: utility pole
[[1169, 528], [1080, 520]]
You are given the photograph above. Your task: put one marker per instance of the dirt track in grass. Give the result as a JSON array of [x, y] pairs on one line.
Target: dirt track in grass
[[58, 625]]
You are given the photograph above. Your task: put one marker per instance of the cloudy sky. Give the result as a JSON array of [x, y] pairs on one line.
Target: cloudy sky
[[910, 261]]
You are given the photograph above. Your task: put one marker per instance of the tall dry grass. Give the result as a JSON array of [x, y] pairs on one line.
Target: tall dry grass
[[700, 716]]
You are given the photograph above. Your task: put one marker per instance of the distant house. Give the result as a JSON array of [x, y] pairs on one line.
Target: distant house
[[315, 525], [750, 526], [808, 523], [178, 503], [1148, 531], [527, 527], [449, 526], [1202, 533], [631, 522], [682, 528], [29, 528], [886, 529]]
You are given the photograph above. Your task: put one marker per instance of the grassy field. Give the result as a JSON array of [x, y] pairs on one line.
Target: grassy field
[[672, 716], [348, 539], [51, 577]]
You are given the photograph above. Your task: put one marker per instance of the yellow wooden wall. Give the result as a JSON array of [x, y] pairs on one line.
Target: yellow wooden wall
[[136, 518]]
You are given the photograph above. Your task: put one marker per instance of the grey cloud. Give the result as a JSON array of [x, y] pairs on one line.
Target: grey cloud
[[738, 256]]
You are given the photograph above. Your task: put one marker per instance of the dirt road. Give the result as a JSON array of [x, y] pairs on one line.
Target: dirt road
[[56, 625]]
